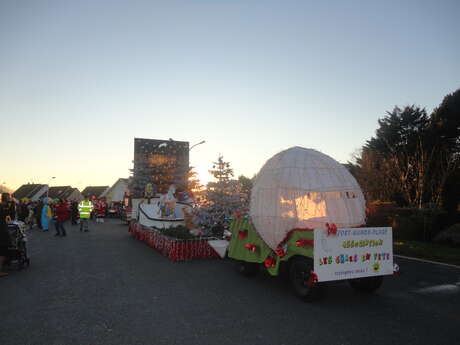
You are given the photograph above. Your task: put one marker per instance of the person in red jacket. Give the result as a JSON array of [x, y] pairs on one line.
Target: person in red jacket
[[101, 210], [62, 214]]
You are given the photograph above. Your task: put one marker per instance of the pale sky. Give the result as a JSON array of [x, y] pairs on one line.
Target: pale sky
[[79, 80]]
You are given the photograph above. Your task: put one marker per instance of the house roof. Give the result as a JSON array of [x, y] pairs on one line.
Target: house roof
[[120, 180], [60, 192], [96, 191], [27, 190]]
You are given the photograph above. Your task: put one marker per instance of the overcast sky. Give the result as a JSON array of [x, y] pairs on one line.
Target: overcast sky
[[79, 80]]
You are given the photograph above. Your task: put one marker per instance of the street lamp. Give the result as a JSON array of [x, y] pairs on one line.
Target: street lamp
[[201, 142]]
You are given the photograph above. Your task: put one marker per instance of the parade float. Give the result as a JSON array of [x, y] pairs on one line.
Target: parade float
[[307, 220], [162, 212]]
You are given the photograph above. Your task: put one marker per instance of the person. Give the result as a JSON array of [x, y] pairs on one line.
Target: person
[[11, 208], [23, 211], [62, 214], [101, 210], [85, 208], [47, 214], [38, 213], [74, 212], [30, 216], [4, 234]]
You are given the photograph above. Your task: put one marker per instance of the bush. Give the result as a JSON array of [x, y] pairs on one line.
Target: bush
[[380, 213], [417, 224], [450, 236]]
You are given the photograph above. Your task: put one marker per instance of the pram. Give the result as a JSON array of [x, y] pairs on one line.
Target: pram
[[17, 250]]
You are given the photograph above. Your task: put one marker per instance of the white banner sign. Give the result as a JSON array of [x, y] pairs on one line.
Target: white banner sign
[[353, 253]]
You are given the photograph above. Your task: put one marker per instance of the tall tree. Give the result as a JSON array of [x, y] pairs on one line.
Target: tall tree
[[194, 184], [245, 185], [445, 128], [414, 158], [222, 194], [402, 149]]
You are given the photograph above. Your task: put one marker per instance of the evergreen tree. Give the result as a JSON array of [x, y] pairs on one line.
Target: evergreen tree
[[223, 197]]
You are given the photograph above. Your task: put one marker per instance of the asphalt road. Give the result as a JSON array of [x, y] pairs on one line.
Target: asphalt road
[[104, 287]]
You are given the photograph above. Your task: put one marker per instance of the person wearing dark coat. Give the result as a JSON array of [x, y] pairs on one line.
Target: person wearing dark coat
[[62, 214], [74, 212], [12, 209], [23, 211], [5, 215], [38, 213]]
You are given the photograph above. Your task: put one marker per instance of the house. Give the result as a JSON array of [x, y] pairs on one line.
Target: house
[[95, 191], [65, 192], [117, 191], [31, 191]]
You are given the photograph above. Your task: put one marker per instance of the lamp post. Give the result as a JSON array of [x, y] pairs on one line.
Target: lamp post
[[201, 142]]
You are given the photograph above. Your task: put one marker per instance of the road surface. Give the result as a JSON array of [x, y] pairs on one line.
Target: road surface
[[104, 287]]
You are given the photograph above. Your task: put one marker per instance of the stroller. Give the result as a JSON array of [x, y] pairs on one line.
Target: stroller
[[17, 250]]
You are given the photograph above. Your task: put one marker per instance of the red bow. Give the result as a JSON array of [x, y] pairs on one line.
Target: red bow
[[242, 234], [270, 262], [251, 247], [280, 252], [313, 279], [331, 229], [303, 242]]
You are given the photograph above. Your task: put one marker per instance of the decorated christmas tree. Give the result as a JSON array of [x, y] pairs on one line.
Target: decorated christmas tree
[[222, 197]]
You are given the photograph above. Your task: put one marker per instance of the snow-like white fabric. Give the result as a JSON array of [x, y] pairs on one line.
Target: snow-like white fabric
[[300, 188]]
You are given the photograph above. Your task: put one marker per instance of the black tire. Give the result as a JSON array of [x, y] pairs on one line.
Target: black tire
[[366, 285], [247, 269], [300, 269]]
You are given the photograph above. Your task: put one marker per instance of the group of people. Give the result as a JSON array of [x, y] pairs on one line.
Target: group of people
[[42, 213]]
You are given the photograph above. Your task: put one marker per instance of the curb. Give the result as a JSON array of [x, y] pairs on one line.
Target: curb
[[427, 261]]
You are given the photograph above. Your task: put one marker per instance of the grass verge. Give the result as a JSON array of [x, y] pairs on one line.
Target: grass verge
[[429, 251]]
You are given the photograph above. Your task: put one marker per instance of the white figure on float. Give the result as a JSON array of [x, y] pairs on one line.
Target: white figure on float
[[168, 203]]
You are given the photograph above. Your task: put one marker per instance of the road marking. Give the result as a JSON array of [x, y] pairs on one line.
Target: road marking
[[444, 288], [428, 261]]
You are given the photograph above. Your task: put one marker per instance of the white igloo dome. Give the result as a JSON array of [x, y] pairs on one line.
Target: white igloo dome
[[304, 188]]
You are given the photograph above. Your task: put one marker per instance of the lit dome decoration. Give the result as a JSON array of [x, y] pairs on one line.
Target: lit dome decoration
[[304, 188]]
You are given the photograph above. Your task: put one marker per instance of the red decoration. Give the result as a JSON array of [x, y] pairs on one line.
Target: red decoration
[[174, 249], [304, 242], [331, 229], [237, 214], [270, 262], [280, 252], [251, 247], [313, 279], [242, 234], [290, 232]]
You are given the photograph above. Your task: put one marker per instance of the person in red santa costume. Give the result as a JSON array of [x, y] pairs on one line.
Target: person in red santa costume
[[100, 209]]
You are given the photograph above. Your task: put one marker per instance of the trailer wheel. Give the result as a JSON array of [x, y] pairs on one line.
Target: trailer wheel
[[367, 285], [247, 269], [299, 274]]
